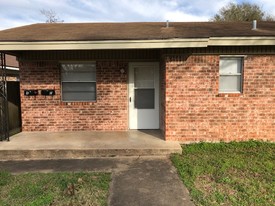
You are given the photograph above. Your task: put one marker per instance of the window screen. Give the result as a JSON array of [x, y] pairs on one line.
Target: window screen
[[78, 81], [231, 70]]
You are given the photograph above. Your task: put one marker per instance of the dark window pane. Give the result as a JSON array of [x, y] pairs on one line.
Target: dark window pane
[[145, 98], [78, 96], [79, 91]]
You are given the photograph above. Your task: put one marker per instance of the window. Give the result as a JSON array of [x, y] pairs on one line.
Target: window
[[231, 70], [78, 82], [144, 88]]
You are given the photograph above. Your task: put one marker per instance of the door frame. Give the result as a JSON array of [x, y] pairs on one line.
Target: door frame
[[155, 64]]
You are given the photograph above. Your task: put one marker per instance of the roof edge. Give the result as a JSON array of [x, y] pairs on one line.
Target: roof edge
[[241, 41], [137, 44], [94, 45]]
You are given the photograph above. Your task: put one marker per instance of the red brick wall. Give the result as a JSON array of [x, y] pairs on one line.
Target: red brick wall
[[191, 107], [45, 113], [194, 110]]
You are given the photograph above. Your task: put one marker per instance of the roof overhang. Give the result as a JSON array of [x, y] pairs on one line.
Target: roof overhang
[[137, 44], [241, 41], [93, 45]]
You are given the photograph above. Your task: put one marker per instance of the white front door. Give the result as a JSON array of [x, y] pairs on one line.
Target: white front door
[[144, 95]]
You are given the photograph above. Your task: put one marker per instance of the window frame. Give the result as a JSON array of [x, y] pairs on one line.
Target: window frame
[[61, 80], [241, 59]]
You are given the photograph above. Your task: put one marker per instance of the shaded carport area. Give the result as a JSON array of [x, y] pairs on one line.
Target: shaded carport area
[[10, 109]]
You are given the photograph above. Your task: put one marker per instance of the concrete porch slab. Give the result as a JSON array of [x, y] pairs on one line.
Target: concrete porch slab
[[86, 144]]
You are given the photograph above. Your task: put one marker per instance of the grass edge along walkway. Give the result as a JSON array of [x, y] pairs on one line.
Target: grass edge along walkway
[[236, 173], [60, 188]]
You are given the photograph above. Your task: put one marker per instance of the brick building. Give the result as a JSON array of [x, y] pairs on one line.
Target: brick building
[[193, 81]]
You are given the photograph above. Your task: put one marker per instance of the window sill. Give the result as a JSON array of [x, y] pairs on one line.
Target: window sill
[[229, 95]]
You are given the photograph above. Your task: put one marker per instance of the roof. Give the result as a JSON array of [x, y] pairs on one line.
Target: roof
[[138, 35], [134, 31]]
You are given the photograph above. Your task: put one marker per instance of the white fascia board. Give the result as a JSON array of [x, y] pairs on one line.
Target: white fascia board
[[137, 44], [241, 41], [92, 45]]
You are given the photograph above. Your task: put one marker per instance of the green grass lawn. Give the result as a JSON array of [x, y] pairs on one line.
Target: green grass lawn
[[38, 189], [228, 173]]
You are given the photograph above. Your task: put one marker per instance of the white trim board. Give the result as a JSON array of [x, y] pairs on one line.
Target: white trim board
[[137, 44]]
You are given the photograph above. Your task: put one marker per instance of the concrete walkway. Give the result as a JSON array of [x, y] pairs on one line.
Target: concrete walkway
[[136, 181], [86, 144]]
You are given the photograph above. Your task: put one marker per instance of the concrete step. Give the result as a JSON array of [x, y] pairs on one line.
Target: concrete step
[[41, 154], [67, 145]]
